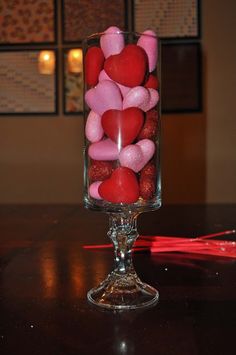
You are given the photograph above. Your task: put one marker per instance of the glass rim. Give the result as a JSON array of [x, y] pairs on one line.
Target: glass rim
[[138, 34]]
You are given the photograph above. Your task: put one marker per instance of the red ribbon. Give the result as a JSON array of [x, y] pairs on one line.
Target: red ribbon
[[200, 245]]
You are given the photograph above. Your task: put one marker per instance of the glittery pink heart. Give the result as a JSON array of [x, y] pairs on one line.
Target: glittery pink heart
[[103, 150], [93, 190], [112, 41], [148, 41], [105, 96], [103, 76], [93, 129], [136, 156], [141, 97]]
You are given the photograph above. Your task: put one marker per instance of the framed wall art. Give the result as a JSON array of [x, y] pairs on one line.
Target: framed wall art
[[27, 22], [181, 77], [73, 81], [28, 82], [169, 18], [84, 17]]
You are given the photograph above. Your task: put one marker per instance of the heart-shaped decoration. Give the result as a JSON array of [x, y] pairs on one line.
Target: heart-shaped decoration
[[136, 156], [124, 89], [103, 150], [148, 41], [112, 41], [105, 96], [152, 82], [93, 128], [154, 98], [93, 190], [129, 67], [123, 126], [141, 97], [94, 60], [121, 187]]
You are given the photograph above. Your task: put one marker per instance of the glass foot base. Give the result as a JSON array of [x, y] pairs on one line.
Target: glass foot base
[[123, 292]]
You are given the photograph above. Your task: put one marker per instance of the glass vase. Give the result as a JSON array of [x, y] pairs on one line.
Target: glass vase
[[122, 151]]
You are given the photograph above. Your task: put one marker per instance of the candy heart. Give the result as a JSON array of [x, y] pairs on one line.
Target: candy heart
[[94, 60], [148, 148], [105, 96], [93, 190], [148, 41], [154, 98], [103, 76], [121, 187], [112, 42], [103, 150], [122, 126], [129, 67], [141, 97], [136, 156], [136, 97], [152, 82], [93, 128]]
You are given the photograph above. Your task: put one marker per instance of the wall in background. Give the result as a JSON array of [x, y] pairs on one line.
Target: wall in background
[[41, 157], [220, 53]]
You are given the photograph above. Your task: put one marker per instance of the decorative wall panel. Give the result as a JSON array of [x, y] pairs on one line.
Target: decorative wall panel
[[84, 17], [73, 90], [169, 18], [23, 90], [27, 21]]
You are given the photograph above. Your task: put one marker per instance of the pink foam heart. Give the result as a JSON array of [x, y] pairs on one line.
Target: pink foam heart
[[124, 89], [104, 150], [112, 42], [136, 156], [148, 41], [93, 190], [105, 96], [141, 97], [93, 128], [154, 98]]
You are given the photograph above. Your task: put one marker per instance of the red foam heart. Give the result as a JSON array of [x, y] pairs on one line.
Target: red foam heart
[[121, 187], [152, 82], [128, 67], [94, 60], [123, 126]]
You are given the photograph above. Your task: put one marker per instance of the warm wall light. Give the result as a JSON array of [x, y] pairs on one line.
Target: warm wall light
[[46, 62], [74, 60]]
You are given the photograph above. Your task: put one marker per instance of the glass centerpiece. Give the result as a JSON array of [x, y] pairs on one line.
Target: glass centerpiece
[[121, 154]]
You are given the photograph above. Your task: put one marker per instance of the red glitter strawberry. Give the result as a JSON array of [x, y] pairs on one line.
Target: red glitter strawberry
[[149, 129], [147, 188], [100, 170], [149, 171], [147, 181]]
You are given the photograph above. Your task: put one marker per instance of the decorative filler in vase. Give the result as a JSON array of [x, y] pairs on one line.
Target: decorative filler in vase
[[122, 160]]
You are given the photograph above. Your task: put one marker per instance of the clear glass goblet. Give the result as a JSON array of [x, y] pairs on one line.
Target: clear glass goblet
[[122, 151]]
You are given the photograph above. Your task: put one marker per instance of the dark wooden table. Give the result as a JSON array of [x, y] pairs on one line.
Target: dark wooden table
[[45, 274]]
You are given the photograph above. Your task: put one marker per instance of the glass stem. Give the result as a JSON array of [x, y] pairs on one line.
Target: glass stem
[[123, 233]]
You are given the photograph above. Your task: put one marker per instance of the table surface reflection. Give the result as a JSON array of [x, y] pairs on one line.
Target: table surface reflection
[[45, 275]]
